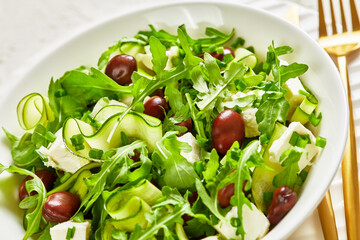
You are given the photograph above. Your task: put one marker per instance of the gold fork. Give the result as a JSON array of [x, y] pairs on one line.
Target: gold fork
[[341, 45]]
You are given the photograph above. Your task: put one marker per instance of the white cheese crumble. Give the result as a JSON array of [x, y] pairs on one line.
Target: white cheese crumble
[[60, 157], [255, 223], [251, 126], [282, 144], [194, 155], [82, 230]]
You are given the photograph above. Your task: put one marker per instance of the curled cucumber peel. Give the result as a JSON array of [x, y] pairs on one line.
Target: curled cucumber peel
[[32, 110]]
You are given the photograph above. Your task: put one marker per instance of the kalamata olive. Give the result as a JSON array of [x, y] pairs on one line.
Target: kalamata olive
[[46, 176], [155, 107], [284, 199], [120, 68], [187, 124], [136, 156], [60, 206], [220, 56], [158, 92], [227, 128], [225, 194]]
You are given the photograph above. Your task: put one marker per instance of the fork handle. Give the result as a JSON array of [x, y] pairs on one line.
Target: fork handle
[[350, 166]]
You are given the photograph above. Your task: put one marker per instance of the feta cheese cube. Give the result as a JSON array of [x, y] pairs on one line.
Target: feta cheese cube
[[251, 126], [255, 223], [60, 157], [282, 144], [82, 230], [194, 155]]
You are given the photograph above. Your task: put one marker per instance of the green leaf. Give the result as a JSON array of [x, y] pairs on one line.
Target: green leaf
[[211, 166], [209, 201], [159, 58], [179, 172], [292, 71], [24, 152], [271, 111], [248, 159], [33, 218], [208, 100], [289, 176], [174, 97], [12, 138], [81, 90]]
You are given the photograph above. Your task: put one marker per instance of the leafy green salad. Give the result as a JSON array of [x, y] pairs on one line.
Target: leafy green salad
[[168, 137]]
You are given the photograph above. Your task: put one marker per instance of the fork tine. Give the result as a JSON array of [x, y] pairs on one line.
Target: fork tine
[[354, 16], [343, 21], [322, 25], [333, 19]]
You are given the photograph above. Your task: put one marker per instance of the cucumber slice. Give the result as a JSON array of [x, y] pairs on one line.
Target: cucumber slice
[[80, 188], [246, 57], [262, 177], [131, 49], [144, 190], [32, 110], [129, 214], [134, 125], [127, 207], [65, 186]]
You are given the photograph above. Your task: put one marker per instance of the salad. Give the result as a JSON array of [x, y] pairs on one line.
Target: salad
[[168, 137]]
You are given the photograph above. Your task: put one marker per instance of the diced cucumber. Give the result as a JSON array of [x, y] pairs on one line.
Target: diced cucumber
[[246, 57], [262, 177], [303, 111]]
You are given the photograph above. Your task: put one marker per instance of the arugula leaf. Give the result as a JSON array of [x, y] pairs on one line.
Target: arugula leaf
[[282, 73], [174, 97], [289, 176], [211, 166], [78, 90], [215, 93], [33, 218], [166, 38], [209, 201], [291, 71], [159, 58], [178, 172], [215, 37], [272, 109], [97, 182], [249, 158], [23, 151]]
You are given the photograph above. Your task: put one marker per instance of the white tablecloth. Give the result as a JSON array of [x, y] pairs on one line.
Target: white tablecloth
[[30, 29]]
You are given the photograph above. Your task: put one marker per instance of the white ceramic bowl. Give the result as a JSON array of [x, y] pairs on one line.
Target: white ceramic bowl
[[258, 27]]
